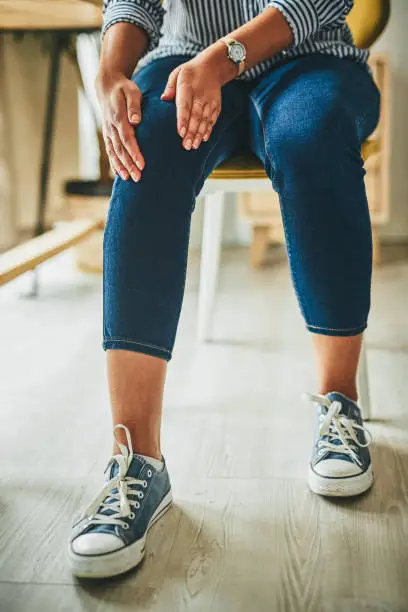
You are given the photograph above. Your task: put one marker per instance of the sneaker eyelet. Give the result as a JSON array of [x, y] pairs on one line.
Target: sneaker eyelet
[[137, 505], [144, 484], [140, 494], [149, 473], [132, 516], [125, 526]]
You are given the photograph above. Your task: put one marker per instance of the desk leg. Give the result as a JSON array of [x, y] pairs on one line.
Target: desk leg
[[58, 42]]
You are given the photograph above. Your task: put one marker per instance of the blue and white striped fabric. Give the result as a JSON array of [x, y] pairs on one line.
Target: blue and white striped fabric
[[188, 26]]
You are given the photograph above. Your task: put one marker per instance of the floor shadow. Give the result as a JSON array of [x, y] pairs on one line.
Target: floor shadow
[[390, 488], [163, 565]]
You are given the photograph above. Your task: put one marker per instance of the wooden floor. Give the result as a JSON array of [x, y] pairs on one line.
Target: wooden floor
[[245, 534]]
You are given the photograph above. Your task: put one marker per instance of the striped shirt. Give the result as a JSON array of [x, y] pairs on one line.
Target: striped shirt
[[186, 27]]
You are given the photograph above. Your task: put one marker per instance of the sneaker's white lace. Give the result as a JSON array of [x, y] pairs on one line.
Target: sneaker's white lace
[[338, 428], [115, 495]]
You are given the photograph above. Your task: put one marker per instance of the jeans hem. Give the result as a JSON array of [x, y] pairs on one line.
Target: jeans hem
[[137, 347], [327, 331]]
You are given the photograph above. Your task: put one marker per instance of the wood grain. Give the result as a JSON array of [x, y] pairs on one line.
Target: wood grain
[[34, 15], [245, 533], [36, 251]]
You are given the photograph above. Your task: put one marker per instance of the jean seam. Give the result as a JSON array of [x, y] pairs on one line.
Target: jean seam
[[183, 289], [285, 231], [236, 115], [373, 108], [124, 340], [342, 329]]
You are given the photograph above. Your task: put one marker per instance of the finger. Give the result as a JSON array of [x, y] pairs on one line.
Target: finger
[[207, 135], [119, 119], [194, 122], [133, 99], [114, 161], [118, 169], [211, 123], [169, 92], [117, 145], [184, 99], [127, 137], [215, 114], [203, 127], [123, 155]]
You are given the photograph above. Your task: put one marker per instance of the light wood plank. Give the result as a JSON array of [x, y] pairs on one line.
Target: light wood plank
[[241, 545], [36, 251], [48, 15], [245, 532]]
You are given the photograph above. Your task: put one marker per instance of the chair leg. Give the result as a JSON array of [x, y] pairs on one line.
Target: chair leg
[[259, 247], [363, 385], [210, 262], [376, 247]]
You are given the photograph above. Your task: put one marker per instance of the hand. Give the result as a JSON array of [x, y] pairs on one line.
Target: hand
[[196, 88], [120, 101]]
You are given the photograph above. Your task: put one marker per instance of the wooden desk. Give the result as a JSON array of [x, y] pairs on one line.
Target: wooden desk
[[61, 20], [49, 15]]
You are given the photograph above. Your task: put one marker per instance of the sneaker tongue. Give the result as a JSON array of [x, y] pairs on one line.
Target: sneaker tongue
[[134, 470], [348, 407]]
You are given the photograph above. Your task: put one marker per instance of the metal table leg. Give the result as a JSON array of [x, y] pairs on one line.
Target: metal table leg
[[58, 43]]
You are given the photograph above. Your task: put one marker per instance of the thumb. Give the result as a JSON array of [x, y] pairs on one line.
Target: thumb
[[169, 92], [133, 103]]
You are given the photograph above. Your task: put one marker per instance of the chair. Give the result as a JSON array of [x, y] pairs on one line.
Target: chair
[[245, 173]]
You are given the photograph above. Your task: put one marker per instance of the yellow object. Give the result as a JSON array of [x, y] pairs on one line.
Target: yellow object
[[367, 20]]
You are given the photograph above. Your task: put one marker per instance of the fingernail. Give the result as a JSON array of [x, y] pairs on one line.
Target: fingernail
[[135, 118], [188, 144], [196, 143], [183, 131], [205, 138], [124, 176], [135, 177], [140, 165]]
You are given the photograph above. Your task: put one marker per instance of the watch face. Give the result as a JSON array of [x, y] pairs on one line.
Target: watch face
[[237, 52]]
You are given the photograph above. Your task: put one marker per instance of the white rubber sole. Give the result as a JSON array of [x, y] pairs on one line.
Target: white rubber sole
[[340, 487], [119, 561]]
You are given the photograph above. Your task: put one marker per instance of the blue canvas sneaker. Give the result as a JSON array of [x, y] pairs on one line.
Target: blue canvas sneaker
[[109, 538], [340, 464]]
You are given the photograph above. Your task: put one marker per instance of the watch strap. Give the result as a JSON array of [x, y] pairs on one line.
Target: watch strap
[[241, 67]]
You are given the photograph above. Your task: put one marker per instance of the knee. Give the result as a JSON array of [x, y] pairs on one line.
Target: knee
[[149, 203], [157, 135], [292, 139], [165, 180], [309, 139]]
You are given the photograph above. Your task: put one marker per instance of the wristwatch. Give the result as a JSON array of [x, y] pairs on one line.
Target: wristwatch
[[236, 52]]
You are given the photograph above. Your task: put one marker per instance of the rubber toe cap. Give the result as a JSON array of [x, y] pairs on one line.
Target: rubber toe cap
[[336, 468], [96, 544]]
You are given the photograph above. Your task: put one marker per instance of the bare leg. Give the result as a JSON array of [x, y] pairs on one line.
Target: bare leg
[[136, 386], [337, 362]]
